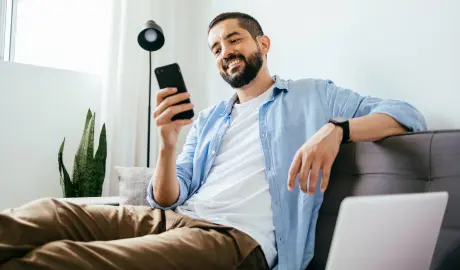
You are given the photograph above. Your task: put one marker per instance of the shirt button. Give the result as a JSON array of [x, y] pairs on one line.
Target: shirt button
[[213, 152], [263, 135]]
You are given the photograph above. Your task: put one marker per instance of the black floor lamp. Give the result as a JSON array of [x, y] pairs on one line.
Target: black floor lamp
[[151, 38]]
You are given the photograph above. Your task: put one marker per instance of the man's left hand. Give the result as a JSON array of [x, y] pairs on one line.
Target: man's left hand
[[318, 153]]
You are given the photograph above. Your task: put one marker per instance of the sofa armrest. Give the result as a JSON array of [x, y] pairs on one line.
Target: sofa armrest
[[114, 200]]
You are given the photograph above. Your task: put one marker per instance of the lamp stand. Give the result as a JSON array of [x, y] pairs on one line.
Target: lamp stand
[[150, 109]]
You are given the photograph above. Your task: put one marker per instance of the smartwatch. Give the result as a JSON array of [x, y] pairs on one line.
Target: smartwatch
[[345, 125]]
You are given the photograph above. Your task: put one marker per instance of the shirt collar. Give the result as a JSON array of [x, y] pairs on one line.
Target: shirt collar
[[280, 85]]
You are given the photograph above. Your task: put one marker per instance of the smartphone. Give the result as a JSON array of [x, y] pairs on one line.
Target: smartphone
[[171, 76]]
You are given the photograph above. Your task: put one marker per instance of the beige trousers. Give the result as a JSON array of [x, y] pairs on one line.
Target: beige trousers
[[53, 234]]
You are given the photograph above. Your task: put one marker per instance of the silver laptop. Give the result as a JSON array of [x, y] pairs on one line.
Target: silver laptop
[[382, 232]]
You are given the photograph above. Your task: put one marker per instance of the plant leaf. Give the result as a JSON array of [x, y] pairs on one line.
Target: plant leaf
[[66, 184], [99, 163], [84, 157]]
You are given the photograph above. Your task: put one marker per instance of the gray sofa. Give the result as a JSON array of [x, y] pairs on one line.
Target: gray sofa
[[415, 162]]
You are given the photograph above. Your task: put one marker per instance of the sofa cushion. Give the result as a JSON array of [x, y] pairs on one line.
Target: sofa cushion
[[451, 261], [133, 182]]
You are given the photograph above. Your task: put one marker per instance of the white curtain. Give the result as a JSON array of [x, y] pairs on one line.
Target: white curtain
[[125, 93]]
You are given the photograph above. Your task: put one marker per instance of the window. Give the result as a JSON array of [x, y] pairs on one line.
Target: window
[[64, 34], [6, 13]]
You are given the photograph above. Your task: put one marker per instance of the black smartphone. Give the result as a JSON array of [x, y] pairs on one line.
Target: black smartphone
[[171, 76]]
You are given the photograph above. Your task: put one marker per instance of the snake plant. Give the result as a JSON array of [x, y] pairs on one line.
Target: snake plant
[[89, 169]]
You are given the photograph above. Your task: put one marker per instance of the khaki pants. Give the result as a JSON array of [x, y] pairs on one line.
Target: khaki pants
[[53, 234]]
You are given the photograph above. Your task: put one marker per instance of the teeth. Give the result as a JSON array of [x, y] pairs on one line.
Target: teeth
[[232, 63]]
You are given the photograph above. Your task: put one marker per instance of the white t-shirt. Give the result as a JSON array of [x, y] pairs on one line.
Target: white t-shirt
[[235, 192]]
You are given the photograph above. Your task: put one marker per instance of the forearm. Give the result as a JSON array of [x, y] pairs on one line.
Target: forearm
[[374, 127], [164, 182]]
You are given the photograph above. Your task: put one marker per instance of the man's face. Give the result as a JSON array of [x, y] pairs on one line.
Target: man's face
[[238, 55]]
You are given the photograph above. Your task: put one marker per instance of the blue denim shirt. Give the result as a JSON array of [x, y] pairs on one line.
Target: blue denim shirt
[[296, 111]]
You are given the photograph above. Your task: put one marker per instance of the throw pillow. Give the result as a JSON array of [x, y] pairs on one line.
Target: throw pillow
[[133, 182]]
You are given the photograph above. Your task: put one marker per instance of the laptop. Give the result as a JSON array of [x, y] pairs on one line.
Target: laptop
[[397, 232]]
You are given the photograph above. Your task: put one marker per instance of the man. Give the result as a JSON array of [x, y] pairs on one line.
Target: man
[[245, 191]]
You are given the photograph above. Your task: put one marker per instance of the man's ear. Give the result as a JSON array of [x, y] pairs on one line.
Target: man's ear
[[264, 44]]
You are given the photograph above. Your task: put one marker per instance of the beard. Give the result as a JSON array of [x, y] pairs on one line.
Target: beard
[[251, 68]]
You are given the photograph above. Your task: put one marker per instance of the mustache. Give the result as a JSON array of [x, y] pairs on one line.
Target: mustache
[[231, 58]]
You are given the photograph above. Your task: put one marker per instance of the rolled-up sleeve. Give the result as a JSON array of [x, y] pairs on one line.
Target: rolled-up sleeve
[[349, 104], [184, 170]]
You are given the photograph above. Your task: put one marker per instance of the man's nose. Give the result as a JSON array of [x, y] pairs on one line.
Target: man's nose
[[227, 51]]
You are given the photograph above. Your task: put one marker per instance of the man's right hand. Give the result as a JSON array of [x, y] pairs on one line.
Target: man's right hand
[[168, 130]]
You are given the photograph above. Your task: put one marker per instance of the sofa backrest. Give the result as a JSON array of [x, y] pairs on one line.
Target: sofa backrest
[[414, 162]]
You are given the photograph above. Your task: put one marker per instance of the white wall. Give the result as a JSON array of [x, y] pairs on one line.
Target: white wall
[[399, 49], [38, 108]]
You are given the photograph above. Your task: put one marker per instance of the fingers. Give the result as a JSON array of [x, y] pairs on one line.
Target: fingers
[[163, 93], [315, 167], [294, 170], [309, 169], [166, 115], [170, 101], [304, 170], [325, 176], [182, 122]]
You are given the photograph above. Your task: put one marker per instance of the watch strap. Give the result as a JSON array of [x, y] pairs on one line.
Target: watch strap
[[345, 125]]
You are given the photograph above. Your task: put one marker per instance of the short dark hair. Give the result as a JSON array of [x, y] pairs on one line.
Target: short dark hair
[[245, 21]]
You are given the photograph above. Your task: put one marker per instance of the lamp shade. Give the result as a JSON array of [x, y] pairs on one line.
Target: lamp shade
[[151, 37]]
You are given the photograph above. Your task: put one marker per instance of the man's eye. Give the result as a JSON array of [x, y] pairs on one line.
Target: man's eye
[[235, 40], [217, 51]]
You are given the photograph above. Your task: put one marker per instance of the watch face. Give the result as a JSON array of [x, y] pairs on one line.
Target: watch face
[[339, 119]]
